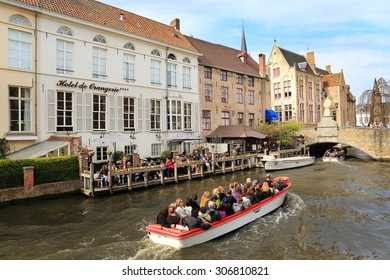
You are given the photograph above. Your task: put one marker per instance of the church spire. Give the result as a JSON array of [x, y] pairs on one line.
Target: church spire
[[243, 41]]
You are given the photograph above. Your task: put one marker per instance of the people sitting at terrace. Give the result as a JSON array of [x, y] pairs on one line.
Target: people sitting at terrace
[[206, 162], [115, 179], [103, 175], [168, 169]]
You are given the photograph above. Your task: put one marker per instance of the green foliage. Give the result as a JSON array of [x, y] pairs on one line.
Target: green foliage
[[289, 127], [4, 147], [117, 156], [46, 170], [166, 154]]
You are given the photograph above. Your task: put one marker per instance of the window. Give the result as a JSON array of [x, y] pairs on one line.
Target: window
[[206, 119], [101, 154], [99, 63], [156, 150], [302, 112], [100, 39], [223, 75], [155, 52], [64, 111], [128, 68], [287, 88], [171, 75], [208, 92], [276, 72], [287, 112], [187, 116], [171, 56], [130, 149], [174, 115], [239, 79], [251, 97], [240, 118], [186, 77], [155, 114], [99, 112], [251, 120], [310, 88], [186, 60], [64, 57], [277, 91], [278, 110], [20, 20], [208, 72], [155, 74], [318, 91], [19, 109], [225, 118], [19, 49], [239, 95], [300, 87], [311, 113], [224, 95], [251, 82], [129, 114], [65, 31], [129, 46]]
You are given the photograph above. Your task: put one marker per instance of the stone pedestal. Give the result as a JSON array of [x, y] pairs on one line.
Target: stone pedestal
[[327, 127]]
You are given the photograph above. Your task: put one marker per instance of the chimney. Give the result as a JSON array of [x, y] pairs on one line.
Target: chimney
[[175, 23], [262, 68], [311, 60], [328, 69]]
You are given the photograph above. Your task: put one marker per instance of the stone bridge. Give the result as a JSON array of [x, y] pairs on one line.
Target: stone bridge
[[374, 142]]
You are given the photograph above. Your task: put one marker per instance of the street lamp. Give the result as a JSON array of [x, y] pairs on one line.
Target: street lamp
[[336, 105], [158, 136]]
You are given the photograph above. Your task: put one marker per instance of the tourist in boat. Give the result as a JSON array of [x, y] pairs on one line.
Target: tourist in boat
[[247, 185], [237, 190], [327, 153], [173, 219], [251, 196], [213, 198], [222, 194], [237, 207], [246, 203], [216, 193], [222, 210], [280, 185], [266, 189], [268, 179], [204, 216], [193, 221], [162, 217], [204, 199], [229, 200], [192, 202], [180, 209], [213, 212]]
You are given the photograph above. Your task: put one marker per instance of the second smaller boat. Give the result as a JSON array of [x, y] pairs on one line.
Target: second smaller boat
[[288, 162]]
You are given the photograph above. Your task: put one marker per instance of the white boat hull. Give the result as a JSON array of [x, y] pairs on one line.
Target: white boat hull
[[288, 163], [182, 239]]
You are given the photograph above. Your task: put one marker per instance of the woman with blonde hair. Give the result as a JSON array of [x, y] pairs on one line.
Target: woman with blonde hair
[[204, 199]]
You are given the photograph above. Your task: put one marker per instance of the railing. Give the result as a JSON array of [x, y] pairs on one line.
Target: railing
[[135, 177]]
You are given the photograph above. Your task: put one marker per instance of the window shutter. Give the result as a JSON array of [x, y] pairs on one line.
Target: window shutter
[[51, 111], [195, 117], [119, 109], [88, 112], [147, 114], [139, 115], [112, 112], [79, 112]]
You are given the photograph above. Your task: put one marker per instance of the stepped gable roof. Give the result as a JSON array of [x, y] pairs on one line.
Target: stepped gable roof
[[108, 16], [293, 59], [223, 57], [332, 80]]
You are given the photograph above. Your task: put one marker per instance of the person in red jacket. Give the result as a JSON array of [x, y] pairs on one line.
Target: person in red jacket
[[168, 168]]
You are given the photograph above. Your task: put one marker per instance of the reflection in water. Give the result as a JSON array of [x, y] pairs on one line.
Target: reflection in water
[[333, 211]]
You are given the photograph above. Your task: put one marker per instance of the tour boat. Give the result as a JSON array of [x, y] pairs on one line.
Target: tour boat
[[288, 162], [333, 159], [178, 238]]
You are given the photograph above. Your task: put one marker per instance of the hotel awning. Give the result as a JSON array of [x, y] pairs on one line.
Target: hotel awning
[[183, 137], [271, 115], [41, 149]]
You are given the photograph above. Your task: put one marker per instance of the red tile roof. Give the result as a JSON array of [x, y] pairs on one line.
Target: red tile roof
[[109, 16], [332, 80], [218, 56]]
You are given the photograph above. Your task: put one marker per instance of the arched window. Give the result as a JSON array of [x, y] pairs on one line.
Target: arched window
[[155, 52], [129, 46], [186, 60], [100, 39], [21, 20], [171, 56], [65, 31]]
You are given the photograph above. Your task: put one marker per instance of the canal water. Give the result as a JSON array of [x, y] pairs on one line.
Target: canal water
[[333, 211]]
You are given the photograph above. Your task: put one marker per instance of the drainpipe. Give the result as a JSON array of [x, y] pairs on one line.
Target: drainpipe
[[36, 74], [166, 89]]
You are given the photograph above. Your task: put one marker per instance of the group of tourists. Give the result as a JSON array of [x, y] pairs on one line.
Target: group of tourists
[[335, 153], [217, 205]]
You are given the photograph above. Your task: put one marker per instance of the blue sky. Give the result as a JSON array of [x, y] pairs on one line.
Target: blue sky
[[349, 35]]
